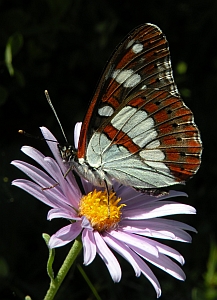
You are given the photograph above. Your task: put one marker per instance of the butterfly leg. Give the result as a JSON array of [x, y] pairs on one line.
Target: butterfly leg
[[107, 190], [67, 172], [54, 185], [50, 187]]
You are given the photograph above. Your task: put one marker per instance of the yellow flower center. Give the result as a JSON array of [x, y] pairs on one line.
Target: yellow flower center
[[101, 209]]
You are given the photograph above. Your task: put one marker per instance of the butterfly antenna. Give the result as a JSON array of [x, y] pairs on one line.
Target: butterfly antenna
[[34, 137], [54, 111]]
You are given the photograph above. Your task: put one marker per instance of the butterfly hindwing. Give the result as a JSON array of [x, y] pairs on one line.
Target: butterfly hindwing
[[158, 130]]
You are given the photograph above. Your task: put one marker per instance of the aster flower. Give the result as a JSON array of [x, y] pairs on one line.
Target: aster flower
[[135, 219]]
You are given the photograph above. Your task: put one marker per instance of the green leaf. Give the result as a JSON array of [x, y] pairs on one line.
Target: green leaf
[[50, 261]]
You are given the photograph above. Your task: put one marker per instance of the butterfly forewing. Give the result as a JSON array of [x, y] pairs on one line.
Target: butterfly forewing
[[137, 128], [141, 61]]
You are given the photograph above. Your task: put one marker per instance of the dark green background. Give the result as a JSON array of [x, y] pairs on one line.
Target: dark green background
[[65, 47]]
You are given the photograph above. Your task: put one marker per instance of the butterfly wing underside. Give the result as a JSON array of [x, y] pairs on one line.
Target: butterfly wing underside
[[137, 128]]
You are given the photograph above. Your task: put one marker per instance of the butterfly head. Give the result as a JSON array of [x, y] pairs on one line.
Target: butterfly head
[[67, 152]]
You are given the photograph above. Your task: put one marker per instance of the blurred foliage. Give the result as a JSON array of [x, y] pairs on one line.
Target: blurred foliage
[[62, 46], [208, 289]]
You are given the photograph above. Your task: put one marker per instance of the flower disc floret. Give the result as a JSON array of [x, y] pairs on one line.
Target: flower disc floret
[[101, 209]]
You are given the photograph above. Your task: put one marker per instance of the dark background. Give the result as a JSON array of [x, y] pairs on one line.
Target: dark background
[[63, 46]]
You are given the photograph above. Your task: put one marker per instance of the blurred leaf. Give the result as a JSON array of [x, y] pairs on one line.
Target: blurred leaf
[[14, 44], [211, 274], [209, 289], [181, 67], [19, 77], [4, 270], [58, 6], [186, 93], [105, 28], [3, 95]]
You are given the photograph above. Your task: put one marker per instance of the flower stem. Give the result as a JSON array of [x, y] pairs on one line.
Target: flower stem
[[70, 258]]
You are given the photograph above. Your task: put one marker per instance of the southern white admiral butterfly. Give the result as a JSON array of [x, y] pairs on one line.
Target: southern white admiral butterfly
[[137, 130]]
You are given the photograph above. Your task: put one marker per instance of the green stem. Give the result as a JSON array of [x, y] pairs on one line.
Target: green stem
[[70, 258]]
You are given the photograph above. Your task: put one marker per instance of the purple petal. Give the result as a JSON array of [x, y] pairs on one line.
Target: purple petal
[[85, 223], [123, 250], [69, 214], [69, 188], [40, 177], [53, 147], [64, 167], [89, 246], [158, 228], [157, 223], [147, 272], [136, 199], [158, 209], [163, 263], [77, 130], [108, 257], [73, 195], [136, 240], [163, 249], [55, 195], [138, 264], [65, 235], [88, 187], [39, 158], [33, 189]]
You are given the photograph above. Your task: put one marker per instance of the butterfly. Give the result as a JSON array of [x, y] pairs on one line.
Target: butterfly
[[137, 129]]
